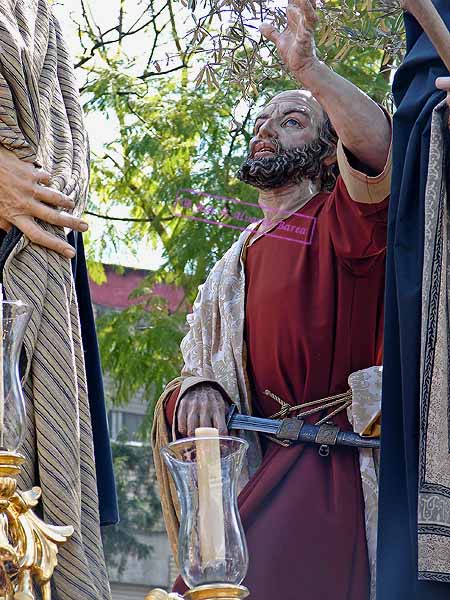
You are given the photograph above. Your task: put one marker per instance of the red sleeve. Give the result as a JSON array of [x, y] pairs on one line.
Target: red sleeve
[[358, 230], [169, 407]]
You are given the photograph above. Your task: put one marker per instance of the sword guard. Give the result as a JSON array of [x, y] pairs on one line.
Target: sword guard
[[289, 429]]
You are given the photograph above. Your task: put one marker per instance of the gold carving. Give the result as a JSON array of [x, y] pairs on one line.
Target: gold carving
[[224, 591], [28, 546]]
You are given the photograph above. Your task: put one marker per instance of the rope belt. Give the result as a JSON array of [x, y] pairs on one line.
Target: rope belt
[[341, 401]]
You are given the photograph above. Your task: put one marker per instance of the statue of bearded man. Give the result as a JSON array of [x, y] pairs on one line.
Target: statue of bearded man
[[284, 322], [275, 160]]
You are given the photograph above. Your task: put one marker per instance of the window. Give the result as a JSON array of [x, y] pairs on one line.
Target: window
[[125, 421]]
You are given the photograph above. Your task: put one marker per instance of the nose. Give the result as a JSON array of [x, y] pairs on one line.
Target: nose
[[267, 130]]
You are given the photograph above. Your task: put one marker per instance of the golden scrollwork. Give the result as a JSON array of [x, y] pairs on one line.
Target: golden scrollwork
[[28, 545]]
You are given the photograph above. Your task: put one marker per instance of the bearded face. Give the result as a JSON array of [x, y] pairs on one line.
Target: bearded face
[[293, 141], [273, 167]]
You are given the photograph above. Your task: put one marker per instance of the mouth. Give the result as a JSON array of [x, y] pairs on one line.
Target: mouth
[[263, 149]]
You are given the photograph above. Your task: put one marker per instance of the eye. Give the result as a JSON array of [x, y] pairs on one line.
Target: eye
[[292, 123]]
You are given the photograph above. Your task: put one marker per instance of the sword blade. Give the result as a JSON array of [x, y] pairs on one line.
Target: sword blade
[[307, 434], [248, 423]]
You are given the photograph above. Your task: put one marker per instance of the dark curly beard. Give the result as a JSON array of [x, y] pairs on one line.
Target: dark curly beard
[[287, 166]]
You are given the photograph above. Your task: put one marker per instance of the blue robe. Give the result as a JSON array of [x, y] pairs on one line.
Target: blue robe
[[415, 96], [102, 448]]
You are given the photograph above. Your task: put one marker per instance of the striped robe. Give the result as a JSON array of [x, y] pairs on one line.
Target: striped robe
[[41, 121]]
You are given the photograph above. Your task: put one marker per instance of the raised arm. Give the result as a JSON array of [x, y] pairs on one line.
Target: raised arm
[[359, 122]]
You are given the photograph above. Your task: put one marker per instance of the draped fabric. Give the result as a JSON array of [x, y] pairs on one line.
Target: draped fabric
[[407, 567], [41, 121], [434, 456], [106, 485], [213, 350]]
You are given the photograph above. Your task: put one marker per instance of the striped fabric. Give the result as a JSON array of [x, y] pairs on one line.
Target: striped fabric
[[41, 121]]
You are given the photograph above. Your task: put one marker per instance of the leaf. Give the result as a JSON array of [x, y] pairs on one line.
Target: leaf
[[199, 78], [387, 58], [342, 53]]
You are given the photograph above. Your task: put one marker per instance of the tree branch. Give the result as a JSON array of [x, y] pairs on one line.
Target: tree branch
[[149, 74], [126, 219]]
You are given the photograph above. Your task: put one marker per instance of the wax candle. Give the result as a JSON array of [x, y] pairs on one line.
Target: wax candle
[[211, 516]]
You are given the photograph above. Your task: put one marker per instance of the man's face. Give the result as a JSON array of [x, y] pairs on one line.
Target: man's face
[[285, 133]]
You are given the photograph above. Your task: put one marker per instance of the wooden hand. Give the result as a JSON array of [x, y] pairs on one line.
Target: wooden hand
[[26, 198], [201, 406], [296, 45]]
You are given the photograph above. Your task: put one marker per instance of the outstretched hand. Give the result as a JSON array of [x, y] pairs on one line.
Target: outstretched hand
[[25, 196], [296, 45]]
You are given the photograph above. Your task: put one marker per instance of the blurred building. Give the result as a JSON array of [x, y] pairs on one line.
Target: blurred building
[[159, 570]]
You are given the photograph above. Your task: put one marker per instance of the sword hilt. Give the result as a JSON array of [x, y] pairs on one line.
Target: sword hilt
[[230, 414]]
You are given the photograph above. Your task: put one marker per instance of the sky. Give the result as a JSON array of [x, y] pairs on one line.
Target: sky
[[101, 130]]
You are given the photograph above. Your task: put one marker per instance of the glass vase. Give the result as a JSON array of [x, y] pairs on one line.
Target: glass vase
[[14, 320], [211, 546]]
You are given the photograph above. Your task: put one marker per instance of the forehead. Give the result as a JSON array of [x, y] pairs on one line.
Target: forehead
[[292, 101]]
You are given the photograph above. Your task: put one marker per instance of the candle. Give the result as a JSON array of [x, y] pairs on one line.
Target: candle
[[211, 517]]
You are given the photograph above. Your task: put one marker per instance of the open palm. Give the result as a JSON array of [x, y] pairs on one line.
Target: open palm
[[295, 45]]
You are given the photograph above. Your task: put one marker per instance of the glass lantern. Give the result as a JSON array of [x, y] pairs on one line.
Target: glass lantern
[[211, 547], [14, 319]]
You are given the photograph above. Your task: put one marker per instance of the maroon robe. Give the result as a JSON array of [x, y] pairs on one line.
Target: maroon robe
[[314, 314]]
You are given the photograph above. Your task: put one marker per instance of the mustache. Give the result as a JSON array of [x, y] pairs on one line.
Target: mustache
[[273, 142], [286, 166]]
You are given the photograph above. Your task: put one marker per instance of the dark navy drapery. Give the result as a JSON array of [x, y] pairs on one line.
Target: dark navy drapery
[[415, 97], [102, 448]]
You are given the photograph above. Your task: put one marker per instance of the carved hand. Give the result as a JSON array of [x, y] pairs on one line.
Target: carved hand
[[25, 196], [201, 406], [296, 45]]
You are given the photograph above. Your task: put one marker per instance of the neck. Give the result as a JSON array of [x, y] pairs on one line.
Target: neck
[[279, 203]]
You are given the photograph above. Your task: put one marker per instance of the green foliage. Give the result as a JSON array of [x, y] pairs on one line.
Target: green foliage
[[142, 342], [365, 37], [139, 507]]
